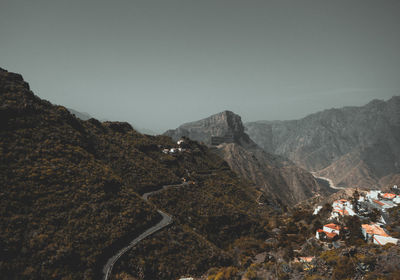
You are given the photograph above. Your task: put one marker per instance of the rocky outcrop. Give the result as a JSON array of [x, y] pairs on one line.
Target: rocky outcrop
[[222, 124], [280, 179], [354, 146]]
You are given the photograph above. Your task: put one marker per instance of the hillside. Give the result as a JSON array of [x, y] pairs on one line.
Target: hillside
[[281, 181], [70, 195], [354, 146]]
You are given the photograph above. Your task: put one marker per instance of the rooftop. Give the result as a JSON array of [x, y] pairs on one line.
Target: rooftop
[[330, 235], [389, 195], [374, 229], [379, 202], [333, 226]]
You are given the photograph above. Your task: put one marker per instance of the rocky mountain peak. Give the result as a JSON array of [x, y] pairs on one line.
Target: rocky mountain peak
[[226, 126]]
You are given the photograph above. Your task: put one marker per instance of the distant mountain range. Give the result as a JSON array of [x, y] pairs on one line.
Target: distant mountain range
[[279, 179], [353, 146]]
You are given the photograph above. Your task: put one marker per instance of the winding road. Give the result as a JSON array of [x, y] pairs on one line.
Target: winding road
[[166, 220]]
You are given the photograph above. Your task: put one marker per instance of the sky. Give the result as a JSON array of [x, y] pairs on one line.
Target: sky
[[158, 64]]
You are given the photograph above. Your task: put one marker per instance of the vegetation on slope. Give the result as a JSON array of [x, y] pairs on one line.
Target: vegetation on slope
[[69, 192]]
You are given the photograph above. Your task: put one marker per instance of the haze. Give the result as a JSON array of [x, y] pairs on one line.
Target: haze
[[157, 64]]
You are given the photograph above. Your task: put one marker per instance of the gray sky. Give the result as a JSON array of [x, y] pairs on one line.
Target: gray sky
[[157, 64]]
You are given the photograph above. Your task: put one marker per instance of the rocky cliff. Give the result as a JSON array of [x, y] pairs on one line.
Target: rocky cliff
[[280, 180], [222, 124], [354, 146]]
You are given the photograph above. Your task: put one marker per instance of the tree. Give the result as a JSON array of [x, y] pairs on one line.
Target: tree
[[354, 200], [374, 215], [353, 225]]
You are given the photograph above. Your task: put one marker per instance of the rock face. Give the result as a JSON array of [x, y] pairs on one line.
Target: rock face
[[281, 181], [224, 124], [354, 146]]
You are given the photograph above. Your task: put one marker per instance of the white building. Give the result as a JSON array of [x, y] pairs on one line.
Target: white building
[[316, 210], [342, 203], [342, 207], [383, 204], [383, 240], [329, 230], [373, 194]]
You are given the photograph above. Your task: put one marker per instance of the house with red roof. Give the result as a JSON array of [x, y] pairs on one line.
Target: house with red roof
[[329, 231], [374, 233], [389, 196]]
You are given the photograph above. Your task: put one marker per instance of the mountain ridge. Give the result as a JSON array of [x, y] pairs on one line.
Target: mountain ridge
[[324, 141]]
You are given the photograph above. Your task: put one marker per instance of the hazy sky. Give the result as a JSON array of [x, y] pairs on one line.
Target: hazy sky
[[157, 64]]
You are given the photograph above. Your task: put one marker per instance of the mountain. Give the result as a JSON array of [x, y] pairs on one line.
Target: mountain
[[70, 197], [353, 146], [281, 181]]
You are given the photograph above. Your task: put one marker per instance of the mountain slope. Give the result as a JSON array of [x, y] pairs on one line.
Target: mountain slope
[[354, 146], [70, 194], [279, 179]]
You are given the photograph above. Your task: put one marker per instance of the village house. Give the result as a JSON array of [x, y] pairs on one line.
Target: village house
[[342, 203], [328, 231], [373, 194], [378, 200], [374, 233], [382, 205], [342, 207], [389, 196]]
